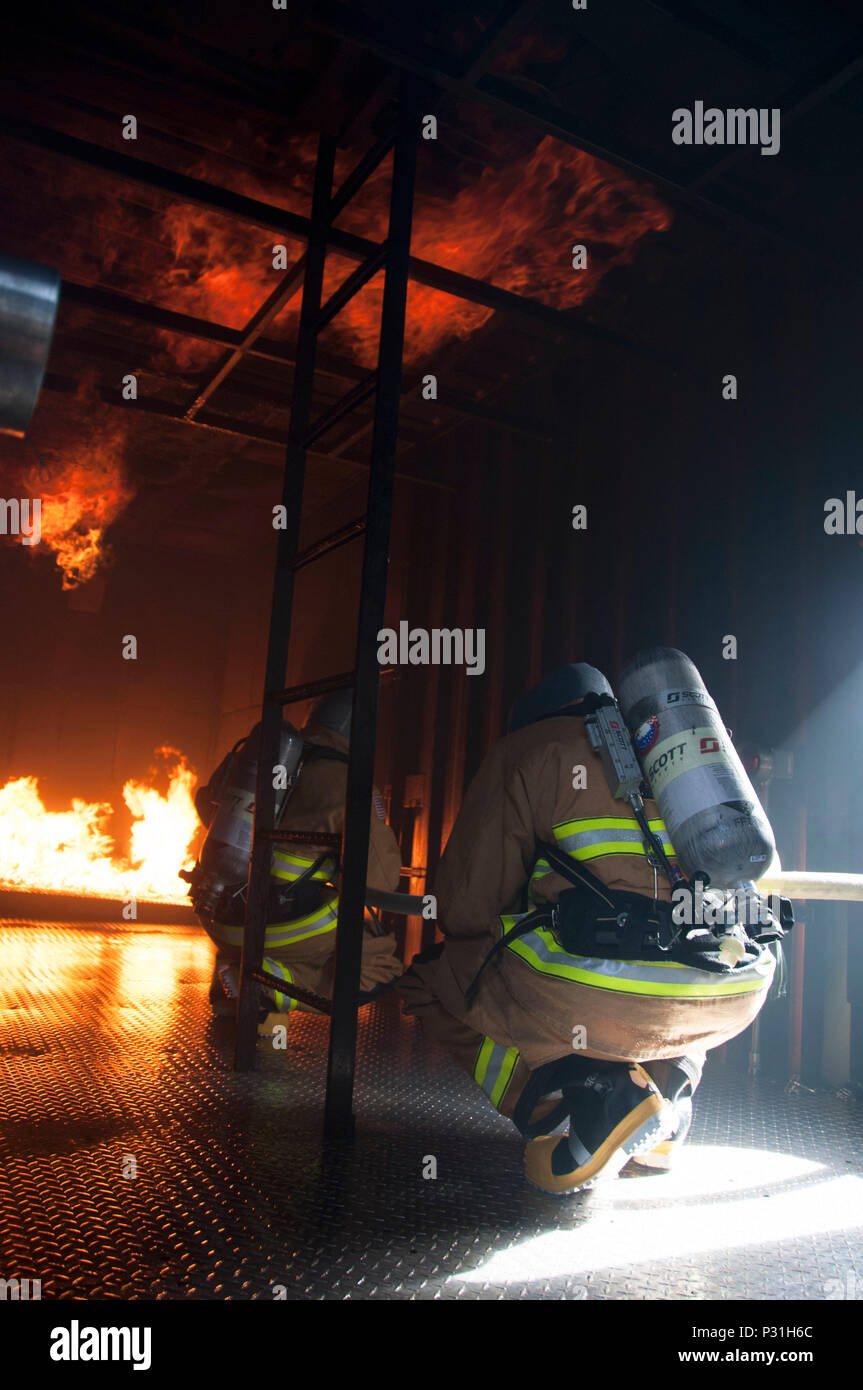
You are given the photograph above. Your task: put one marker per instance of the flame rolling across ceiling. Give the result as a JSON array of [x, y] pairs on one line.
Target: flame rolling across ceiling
[[514, 227], [72, 852]]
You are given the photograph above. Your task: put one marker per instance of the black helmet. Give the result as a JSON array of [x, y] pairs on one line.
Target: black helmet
[[557, 692], [334, 712]]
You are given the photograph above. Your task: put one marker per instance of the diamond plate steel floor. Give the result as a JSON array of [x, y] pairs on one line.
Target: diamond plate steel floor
[[110, 1063]]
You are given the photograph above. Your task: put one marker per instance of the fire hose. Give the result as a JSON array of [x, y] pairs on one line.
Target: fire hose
[[823, 887], [790, 883]]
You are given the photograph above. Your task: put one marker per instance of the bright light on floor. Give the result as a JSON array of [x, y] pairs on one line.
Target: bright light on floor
[[711, 1170], [645, 1220]]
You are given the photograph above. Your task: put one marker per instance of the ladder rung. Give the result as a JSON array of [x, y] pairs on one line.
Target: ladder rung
[[353, 398], [301, 837], [354, 283], [310, 688], [305, 996], [331, 542]]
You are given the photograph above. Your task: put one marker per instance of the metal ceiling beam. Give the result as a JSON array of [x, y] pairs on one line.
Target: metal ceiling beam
[[224, 200], [831, 78], [128, 48], [690, 17], [503, 31], [335, 19], [109, 301], [186, 325], [221, 424], [291, 283], [271, 307]]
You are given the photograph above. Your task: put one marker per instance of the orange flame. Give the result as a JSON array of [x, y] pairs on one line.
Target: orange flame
[[514, 226], [72, 851], [82, 487]]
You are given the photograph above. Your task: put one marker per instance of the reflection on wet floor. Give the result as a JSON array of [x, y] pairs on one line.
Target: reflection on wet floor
[[135, 1164]]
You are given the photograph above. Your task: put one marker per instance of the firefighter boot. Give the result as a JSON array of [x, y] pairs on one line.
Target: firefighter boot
[[676, 1080], [615, 1111], [223, 988]]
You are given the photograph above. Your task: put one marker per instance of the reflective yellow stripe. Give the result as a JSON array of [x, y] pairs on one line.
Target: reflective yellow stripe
[[291, 866], [322, 920], [662, 979], [505, 1076], [494, 1069], [284, 1003], [607, 847], [284, 933], [482, 1060], [598, 836], [572, 827]]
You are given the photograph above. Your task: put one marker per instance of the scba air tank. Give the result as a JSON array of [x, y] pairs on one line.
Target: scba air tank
[[709, 806], [225, 853]]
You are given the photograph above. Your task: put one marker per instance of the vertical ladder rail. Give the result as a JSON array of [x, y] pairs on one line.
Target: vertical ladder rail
[[280, 613], [338, 1121]]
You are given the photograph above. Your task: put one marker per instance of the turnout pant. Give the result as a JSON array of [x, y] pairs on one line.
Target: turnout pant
[[308, 960], [499, 1067]]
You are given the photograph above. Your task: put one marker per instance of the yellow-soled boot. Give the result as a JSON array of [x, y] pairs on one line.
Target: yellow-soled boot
[[616, 1111], [676, 1079]]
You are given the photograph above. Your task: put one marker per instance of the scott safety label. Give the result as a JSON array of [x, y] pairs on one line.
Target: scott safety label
[[679, 753], [669, 698]]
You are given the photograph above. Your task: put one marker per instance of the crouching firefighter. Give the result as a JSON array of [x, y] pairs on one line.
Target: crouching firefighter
[[580, 981], [303, 905]]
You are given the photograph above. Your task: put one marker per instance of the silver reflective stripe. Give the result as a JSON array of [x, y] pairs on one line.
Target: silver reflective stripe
[[610, 835], [275, 967], [288, 867], [654, 978], [494, 1067], [283, 933]]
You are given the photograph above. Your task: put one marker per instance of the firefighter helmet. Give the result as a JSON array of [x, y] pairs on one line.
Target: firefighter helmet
[[334, 712], [556, 693]]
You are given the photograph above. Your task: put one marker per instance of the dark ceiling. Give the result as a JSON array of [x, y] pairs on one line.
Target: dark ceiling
[[553, 123]]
